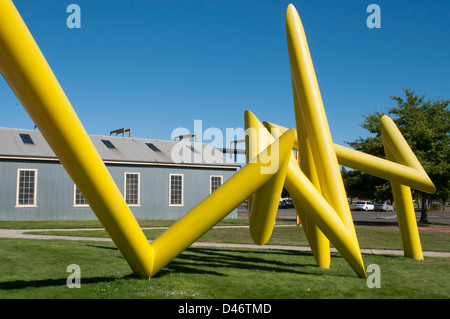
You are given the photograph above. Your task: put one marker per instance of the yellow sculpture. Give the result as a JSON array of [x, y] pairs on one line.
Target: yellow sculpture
[[316, 185]]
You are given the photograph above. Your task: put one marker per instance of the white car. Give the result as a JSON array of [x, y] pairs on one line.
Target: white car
[[384, 207], [364, 206]]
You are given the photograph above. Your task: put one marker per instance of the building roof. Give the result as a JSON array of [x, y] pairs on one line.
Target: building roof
[[30, 144]]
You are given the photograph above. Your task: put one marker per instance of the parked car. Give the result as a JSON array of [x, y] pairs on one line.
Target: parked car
[[384, 207], [365, 205], [285, 203]]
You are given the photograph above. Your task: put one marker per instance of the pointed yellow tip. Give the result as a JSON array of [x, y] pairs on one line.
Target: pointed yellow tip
[[249, 114], [267, 125], [291, 10]]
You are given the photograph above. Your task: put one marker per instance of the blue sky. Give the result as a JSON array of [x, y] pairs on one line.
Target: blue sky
[[154, 66]]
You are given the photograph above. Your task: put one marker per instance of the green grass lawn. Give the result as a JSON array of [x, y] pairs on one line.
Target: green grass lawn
[[370, 237], [38, 269]]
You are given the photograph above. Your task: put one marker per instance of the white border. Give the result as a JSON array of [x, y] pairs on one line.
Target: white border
[[138, 188], [75, 197], [35, 187], [182, 190], [210, 182]]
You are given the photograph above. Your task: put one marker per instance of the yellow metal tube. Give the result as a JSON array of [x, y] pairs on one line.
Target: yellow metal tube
[[402, 177], [310, 102], [396, 148], [25, 69], [376, 166], [324, 216], [266, 201], [219, 204], [386, 169], [311, 205], [319, 243], [406, 218]]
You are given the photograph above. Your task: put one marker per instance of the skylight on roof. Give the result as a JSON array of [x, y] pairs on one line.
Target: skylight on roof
[[108, 144], [153, 147], [26, 138]]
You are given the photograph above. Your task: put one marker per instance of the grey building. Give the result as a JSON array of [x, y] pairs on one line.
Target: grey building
[[158, 179]]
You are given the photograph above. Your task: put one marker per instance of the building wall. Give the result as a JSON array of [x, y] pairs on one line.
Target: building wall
[[55, 191]]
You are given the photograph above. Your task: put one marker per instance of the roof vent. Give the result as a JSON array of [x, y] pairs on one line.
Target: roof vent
[[121, 131]]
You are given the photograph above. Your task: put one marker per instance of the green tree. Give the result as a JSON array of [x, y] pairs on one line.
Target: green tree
[[425, 124], [365, 186]]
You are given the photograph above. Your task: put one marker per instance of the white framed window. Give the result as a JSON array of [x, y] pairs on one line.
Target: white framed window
[[176, 190], [78, 198], [26, 187], [215, 181], [132, 189]]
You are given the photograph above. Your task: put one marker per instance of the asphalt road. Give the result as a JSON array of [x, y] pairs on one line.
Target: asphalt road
[[361, 217]]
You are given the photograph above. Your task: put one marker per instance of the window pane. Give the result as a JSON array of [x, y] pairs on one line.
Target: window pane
[[108, 144], [216, 182], [26, 138], [153, 147], [176, 189], [132, 189], [26, 187], [79, 198]]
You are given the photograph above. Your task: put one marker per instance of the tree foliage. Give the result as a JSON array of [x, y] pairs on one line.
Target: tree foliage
[[425, 124]]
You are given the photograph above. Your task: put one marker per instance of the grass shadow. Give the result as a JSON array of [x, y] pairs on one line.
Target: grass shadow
[[102, 247], [22, 284], [375, 223], [210, 261]]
